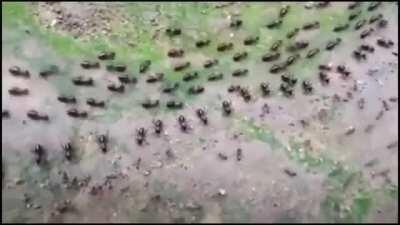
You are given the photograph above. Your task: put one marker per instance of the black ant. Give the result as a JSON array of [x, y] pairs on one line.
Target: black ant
[[233, 88], [224, 46], [307, 87], [148, 103], [375, 18], [190, 76], [90, 65], [236, 23], [240, 72], [154, 78], [106, 56], [342, 70], [174, 104], [175, 52], [324, 78], [183, 123], [283, 11], [215, 76], [365, 33], [291, 59], [276, 45], [18, 72], [16, 91], [265, 88], [292, 33], [210, 63], [227, 107], [274, 24], [173, 32], [126, 80], [276, 68], [81, 81], [38, 152], [286, 89], [102, 141], [93, 102], [239, 154], [354, 5], [196, 89], [116, 88], [360, 24], [171, 87], [311, 53], [116, 68], [202, 116], [271, 56], [75, 113], [202, 43], [67, 99], [340, 28], [297, 46], [333, 43], [311, 25], [239, 56], [5, 114], [35, 115], [373, 5], [384, 43], [158, 126], [244, 92], [181, 66], [354, 15], [67, 148], [144, 66], [141, 136], [251, 40], [48, 72]]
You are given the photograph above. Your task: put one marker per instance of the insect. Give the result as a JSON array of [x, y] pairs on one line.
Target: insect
[[181, 66], [222, 156], [106, 56], [265, 108], [190, 76], [286, 89], [202, 116], [120, 88], [276, 45], [333, 43], [366, 33], [144, 66], [359, 55], [291, 59], [244, 92], [81, 81], [215, 76], [202, 43], [173, 32], [67, 148], [77, 114], [95, 103], [210, 63], [35, 115], [373, 5], [86, 64], [126, 80], [140, 135], [48, 72], [16, 91], [224, 46], [354, 15], [324, 67], [154, 78], [175, 52], [312, 52], [382, 23], [307, 87], [271, 56], [354, 5], [38, 152], [360, 24], [116, 68], [5, 114], [297, 46], [18, 72], [196, 89], [239, 154], [158, 126], [149, 103], [341, 27], [384, 43], [361, 103], [323, 77], [265, 88], [227, 107], [375, 18], [240, 72], [67, 99], [342, 70], [366, 47], [311, 25], [274, 24], [236, 23], [283, 11], [102, 142], [183, 123], [171, 104], [292, 33], [289, 79], [322, 4], [251, 40], [239, 56], [276, 68], [170, 87], [233, 88]]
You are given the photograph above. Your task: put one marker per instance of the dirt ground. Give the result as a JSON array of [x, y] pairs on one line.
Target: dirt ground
[[327, 156]]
